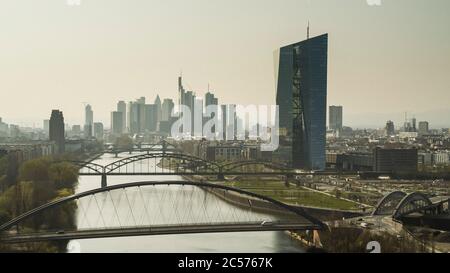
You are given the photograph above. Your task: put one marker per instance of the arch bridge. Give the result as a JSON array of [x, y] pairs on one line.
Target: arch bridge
[[171, 163], [399, 204], [155, 208], [162, 146]]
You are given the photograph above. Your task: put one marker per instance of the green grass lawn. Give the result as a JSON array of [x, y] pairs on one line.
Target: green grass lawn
[[293, 194]]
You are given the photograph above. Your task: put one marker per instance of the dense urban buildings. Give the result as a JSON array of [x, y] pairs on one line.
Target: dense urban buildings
[[301, 74]]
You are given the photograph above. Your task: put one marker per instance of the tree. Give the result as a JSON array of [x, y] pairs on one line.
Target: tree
[[63, 175], [124, 142], [35, 170]]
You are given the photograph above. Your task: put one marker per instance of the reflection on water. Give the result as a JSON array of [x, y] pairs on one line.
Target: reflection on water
[[209, 242]]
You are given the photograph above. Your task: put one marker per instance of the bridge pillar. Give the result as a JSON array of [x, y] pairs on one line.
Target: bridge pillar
[[104, 180]]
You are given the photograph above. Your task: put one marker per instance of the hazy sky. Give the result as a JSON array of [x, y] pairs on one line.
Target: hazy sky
[[383, 60]]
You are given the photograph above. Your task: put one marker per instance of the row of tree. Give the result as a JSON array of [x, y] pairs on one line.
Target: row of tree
[[35, 183]]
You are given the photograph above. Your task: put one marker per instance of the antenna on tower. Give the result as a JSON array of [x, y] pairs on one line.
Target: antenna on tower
[[307, 31]]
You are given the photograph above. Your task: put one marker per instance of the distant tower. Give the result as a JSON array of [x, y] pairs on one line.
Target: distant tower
[[122, 107], [307, 31], [89, 121], [335, 117], [158, 109], [390, 128], [56, 130]]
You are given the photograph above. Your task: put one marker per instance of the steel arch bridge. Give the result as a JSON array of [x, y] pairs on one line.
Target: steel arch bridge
[[411, 203], [388, 204], [144, 147], [89, 166], [171, 163], [189, 163], [398, 204], [155, 208]]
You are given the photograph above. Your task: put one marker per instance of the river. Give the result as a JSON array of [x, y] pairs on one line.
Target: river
[[266, 242]]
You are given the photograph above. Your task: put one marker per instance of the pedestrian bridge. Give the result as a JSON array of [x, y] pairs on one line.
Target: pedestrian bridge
[[155, 208]]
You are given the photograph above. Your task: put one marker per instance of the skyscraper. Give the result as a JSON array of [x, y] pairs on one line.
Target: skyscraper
[[212, 101], [136, 112], [89, 121], [117, 123], [56, 129], [150, 117], [166, 109], [46, 127], [335, 118], [187, 99], [158, 109], [390, 129], [223, 118], [122, 107], [423, 128], [98, 130], [301, 77]]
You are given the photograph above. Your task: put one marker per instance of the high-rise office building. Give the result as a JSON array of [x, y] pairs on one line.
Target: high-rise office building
[[122, 107], [423, 128], [166, 109], [158, 109], [98, 131], [76, 130], [186, 98], [56, 130], [211, 101], [301, 77], [223, 119], [150, 117], [136, 112], [390, 129], [335, 118], [117, 123], [46, 127], [89, 121]]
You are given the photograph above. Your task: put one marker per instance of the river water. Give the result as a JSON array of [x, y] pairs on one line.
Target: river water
[[266, 242]]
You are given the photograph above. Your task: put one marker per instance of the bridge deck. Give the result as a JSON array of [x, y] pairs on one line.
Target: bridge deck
[[154, 230]]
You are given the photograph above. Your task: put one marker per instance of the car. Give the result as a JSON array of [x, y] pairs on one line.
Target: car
[[267, 223], [60, 232]]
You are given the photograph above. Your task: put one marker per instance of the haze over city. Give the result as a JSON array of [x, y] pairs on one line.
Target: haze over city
[[383, 60]]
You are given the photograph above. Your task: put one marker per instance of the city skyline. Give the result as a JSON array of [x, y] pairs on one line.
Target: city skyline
[[82, 67], [211, 126]]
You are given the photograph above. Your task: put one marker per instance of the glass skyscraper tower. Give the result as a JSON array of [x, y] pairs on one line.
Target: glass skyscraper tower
[[301, 78]]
